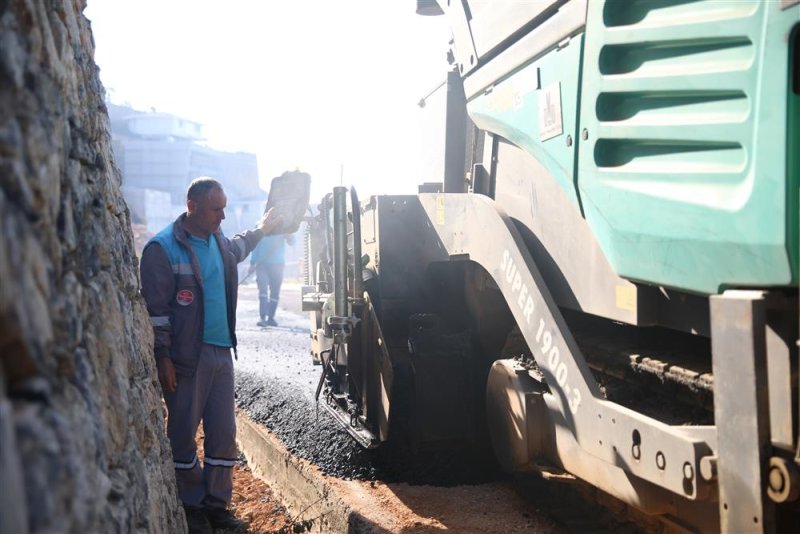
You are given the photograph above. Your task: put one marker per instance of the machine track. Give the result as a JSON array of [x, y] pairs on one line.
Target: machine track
[[649, 368], [641, 368]]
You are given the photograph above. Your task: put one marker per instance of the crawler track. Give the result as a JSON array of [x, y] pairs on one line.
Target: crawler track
[[649, 369]]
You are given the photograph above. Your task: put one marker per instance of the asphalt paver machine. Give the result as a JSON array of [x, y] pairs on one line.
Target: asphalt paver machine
[[606, 282]]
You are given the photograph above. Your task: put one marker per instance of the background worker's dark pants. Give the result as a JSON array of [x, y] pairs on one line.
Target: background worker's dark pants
[[269, 277], [206, 396]]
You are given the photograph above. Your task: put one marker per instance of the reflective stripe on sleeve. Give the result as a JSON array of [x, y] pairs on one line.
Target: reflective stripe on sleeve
[[160, 320], [182, 268]]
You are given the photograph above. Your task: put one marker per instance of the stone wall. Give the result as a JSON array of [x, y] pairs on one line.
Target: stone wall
[[81, 442]]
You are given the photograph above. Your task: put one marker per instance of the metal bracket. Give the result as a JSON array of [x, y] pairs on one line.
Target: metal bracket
[[342, 327], [741, 408], [364, 437]]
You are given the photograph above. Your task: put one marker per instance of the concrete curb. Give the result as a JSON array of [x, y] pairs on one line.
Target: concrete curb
[[301, 487]]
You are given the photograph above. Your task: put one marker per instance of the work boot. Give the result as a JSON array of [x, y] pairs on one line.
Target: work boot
[[273, 307], [222, 518], [196, 520], [262, 323]]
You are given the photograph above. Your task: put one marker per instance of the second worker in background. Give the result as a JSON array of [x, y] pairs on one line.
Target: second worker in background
[[268, 260]]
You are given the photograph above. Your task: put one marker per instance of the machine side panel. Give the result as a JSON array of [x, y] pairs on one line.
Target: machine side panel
[[577, 273], [683, 170], [537, 110]]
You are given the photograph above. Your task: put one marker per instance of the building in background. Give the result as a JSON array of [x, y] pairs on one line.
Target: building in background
[[159, 154]]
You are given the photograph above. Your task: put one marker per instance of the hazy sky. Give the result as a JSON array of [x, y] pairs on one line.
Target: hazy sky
[[305, 84]]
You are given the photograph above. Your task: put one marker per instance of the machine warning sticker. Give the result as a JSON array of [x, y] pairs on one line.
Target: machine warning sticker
[[184, 297], [626, 297], [524, 83], [550, 112]]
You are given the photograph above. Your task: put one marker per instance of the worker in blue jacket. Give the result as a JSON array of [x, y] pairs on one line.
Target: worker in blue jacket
[[268, 260], [189, 283]]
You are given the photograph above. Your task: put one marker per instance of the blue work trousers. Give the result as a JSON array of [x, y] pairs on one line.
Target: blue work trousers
[[269, 277], [206, 396]]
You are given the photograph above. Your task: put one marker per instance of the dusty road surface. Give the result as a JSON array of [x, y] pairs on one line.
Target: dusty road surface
[[330, 483]]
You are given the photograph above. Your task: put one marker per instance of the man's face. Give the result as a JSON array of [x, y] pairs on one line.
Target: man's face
[[208, 212]]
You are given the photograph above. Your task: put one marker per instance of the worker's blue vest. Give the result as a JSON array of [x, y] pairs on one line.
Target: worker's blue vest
[[179, 256]]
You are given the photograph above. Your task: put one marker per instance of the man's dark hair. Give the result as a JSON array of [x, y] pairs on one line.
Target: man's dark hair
[[200, 187]]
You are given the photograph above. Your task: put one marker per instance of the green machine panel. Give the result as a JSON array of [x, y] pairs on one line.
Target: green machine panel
[[514, 107], [684, 170]]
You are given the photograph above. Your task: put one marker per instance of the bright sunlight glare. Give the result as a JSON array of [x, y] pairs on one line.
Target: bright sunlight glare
[[327, 87]]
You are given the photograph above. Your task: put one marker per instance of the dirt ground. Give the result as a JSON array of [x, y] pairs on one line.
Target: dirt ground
[[254, 502]]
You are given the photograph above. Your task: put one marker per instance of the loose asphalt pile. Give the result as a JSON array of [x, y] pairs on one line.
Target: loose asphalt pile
[[275, 384]]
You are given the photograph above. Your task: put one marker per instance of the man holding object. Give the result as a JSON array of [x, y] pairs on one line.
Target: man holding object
[[189, 282]]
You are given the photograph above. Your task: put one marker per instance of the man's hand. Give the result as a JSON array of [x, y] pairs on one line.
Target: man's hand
[[270, 221], [166, 374]]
